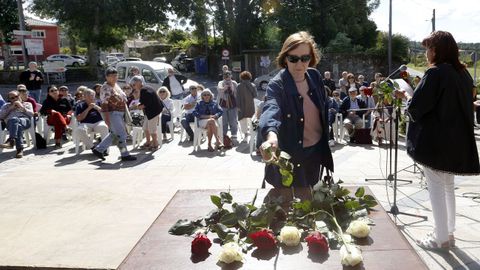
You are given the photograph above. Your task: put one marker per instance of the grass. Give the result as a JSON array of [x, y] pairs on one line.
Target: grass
[[470, 69]]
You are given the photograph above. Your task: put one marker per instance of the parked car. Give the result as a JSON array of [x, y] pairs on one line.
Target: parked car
[[183, 62], [132, 59], [120, 56], [1, 64], [67, 59], [160, 59], [112, 60], [261, 82], [153, 72], [79, 57]]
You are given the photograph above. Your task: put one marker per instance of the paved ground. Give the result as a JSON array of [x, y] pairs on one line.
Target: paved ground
[[62, 210]]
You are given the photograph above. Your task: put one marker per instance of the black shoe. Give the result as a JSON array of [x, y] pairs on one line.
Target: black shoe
[[105, 154], [352, 140], [128, 158], [98, 154], [19, 153]]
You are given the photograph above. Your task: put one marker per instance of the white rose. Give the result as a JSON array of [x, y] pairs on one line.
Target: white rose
[[358, 228], [290, 236], [231, 252], [351, 256]]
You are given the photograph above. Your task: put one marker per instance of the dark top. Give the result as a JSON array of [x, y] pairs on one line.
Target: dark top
[[330, 83], [60, 105], [152, 102], [283, 114], [441, 135], [346, 106], [180, 78], [210, 108], [31, 84], [93, 115]]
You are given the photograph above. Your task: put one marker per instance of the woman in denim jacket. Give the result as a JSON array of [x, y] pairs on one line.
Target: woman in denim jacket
[[207, 112], [295, 115]]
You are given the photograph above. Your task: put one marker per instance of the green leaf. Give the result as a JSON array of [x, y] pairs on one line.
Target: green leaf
[[360, 192], [183, 227], [216, 200], [353, 205], [226, 197], [221, 230], [229, 219], [229, 237], [241, 211], [287, 177], [342, 192]]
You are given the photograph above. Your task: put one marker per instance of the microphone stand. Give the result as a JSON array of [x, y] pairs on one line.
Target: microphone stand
[[394, 209]]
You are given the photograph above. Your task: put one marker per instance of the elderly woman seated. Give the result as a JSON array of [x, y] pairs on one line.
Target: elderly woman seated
[[207, 112]]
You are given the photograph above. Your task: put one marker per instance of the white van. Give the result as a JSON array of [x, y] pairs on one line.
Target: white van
[[153, 72]]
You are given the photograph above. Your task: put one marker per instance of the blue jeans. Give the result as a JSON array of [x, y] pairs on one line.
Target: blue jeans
[[15, 127], [165, 119], [117, 129], [230, 118], [186, 120], [36, 94]]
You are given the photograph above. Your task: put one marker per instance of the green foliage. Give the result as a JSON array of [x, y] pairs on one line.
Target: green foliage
[[400, 45], [340, 44], [8, 20], [176, 36]]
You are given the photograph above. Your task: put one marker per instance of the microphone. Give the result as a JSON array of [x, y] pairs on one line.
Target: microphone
[[400, 68]]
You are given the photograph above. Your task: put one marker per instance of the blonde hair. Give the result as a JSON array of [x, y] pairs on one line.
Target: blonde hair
[[292, 42], [164, 88]]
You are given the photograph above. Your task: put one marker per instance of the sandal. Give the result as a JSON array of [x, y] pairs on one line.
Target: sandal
[[451, 238], [145, 146], [153, 148], [430, 243], [210, 148], [219, 146]]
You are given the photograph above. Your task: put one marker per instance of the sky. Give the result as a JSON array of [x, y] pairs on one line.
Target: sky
[[412, 18]]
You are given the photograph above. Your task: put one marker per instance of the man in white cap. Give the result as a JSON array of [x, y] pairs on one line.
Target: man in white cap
[[352, 113]]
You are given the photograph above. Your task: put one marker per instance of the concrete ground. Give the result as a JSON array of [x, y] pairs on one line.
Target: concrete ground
[[59, 210]]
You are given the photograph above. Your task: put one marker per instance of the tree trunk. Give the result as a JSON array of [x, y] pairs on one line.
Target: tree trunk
[[93, 53]]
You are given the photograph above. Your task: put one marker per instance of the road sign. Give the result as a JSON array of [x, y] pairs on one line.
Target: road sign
[[225, 53], [34, 46], [22, 33]]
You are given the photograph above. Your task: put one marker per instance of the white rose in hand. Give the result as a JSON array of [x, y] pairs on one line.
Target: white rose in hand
[[290, 236], [351, 255], [231, 252], [359, 229]]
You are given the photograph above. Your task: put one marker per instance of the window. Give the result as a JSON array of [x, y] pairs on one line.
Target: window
[[38, 33], [149, 76], [16, 50], [122, 71]]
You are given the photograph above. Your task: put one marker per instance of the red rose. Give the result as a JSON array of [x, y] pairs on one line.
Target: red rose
[[317, 243], [201, 244], [264, 239]]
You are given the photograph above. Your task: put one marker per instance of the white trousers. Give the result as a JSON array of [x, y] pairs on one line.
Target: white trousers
[[83, 130], [441, 189], [244, 125]]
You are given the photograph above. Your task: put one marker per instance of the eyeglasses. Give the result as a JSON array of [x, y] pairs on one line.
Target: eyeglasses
[[162, 92], [53, 90], [294, 59], [13, 97], [63, 90], [206, 95], [193, 88]]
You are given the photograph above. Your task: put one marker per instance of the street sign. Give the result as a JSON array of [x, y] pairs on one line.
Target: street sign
[[34, 46], [225, 53], [22, 33]]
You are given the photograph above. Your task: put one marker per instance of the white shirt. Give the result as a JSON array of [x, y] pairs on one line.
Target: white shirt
[[168, 106], [191, 99], [354, 104], [175, 87]]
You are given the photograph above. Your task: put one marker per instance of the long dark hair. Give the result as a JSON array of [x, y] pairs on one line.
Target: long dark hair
[[445, 48]]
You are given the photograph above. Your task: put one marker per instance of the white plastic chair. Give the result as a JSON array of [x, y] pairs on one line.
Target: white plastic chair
[[199, 132], [29, 135], [76, 139], [47, 129], [137, 134], [176, 113], [338, 129]]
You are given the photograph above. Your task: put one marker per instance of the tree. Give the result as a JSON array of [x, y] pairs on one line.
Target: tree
[[400, 45], [105, 24], [8, 23]]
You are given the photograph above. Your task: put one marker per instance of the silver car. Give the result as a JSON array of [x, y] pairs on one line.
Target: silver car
[[67, 59]]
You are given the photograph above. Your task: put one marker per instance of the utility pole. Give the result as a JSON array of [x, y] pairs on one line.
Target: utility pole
[[433, 21], [21, 21], [390, 38]]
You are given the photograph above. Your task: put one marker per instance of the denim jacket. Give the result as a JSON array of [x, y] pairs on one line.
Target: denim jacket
[[283, 114], [210, 108]]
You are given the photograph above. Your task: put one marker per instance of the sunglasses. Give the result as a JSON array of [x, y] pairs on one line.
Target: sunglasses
[[206, 95], [193, 88], [294, 59], [14, 97], [162, 91], [53, 90]]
